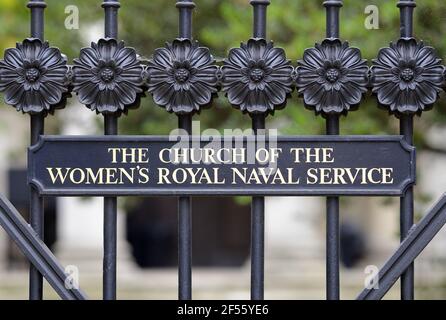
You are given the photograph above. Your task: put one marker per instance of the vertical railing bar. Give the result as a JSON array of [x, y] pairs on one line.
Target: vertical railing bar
[[111, 8], [37, 215], [407, 213], [406, 17], [406, 129], [332, 224], [37, 126], [259, 19], [37, 18], [257, 231], [185, 232], [332, 17], [185, 8], [258, 203], [332, 229]]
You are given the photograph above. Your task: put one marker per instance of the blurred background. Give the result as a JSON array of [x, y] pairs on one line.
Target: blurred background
[[295, 227]]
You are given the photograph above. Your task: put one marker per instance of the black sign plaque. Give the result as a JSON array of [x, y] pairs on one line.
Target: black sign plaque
[[287, 166]]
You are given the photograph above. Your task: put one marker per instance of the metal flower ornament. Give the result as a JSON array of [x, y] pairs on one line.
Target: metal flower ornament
[[257, 77], [108, 77], [332, 78], [182, 77], [33, 77], [407, 77]]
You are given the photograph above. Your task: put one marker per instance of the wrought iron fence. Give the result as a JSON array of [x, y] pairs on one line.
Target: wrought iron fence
[[257, 79]]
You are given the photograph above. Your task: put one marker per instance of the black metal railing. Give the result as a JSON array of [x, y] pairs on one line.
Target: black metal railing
[[332, 128], [185, 203], [258, 203], [37, 129], [345, 79], [36, 251], [110, 203]]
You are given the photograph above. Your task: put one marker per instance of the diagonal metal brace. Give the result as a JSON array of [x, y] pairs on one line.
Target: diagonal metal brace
[[36, 251], [419, 237]]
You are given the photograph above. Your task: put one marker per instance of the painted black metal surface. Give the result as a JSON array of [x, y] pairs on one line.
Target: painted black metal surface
[[36, 251], [257, 77], [108, 77], [348, 165], [418, 238], [407, 77], [332, 78], [258, 121], [183, 78]]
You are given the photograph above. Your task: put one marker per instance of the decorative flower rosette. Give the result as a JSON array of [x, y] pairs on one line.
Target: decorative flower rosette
[[257, 77], [407, 77], [33, 77], [108, 77], [332, 78], [182, 77]]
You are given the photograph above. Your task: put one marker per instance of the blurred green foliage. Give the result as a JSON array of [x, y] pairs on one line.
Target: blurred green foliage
[[222, 24]]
